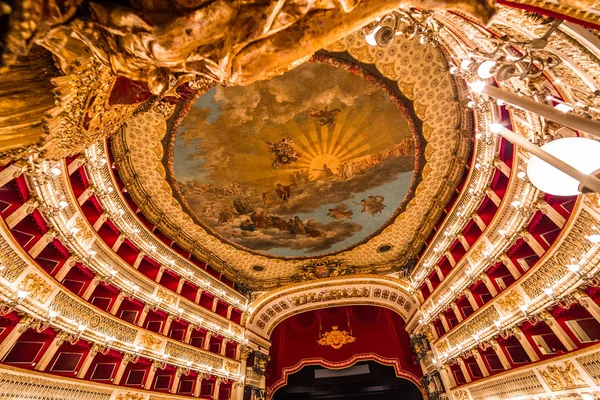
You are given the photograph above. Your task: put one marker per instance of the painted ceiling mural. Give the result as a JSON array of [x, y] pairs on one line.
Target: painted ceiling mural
[[308, 163]]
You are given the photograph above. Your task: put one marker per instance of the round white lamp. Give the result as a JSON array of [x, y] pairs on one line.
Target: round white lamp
[[485, 70], [370, 38], [580, 153]]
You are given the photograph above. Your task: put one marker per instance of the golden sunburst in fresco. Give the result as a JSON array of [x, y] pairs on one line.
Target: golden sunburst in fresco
[[308, 163]]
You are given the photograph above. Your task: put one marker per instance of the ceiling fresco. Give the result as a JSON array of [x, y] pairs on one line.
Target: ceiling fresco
[[144, 152], [307, 163]]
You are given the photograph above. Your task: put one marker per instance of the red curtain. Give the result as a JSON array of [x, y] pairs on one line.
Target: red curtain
[[379, 335]]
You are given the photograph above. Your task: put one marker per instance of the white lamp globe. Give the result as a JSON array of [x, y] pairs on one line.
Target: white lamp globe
[[370, 38], [485, 69], [581, 153]]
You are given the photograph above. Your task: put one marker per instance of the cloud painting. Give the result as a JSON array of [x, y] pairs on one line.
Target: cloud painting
[[307, 163]]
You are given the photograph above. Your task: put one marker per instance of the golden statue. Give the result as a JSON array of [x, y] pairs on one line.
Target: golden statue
[[234, 42], [105, 61]]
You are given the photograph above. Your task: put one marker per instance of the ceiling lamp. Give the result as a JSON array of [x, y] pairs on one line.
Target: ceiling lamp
[[580, 153], [563, 167], [510, 58], [408, 23]]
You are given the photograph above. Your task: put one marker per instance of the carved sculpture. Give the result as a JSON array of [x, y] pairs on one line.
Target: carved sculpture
[[36, 286], [562, 377], [233, 42]]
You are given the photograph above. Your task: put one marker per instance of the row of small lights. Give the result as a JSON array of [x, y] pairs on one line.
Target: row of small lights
[[506, 233], [111, 274], [77, 330], [550, 291], [152, 249], [448, 235]]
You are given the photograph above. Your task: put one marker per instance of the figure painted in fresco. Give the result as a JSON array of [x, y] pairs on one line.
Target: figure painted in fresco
[[284, 152], [340, 211], [283, 192], [324, 117], [324, 172], [372, 205]]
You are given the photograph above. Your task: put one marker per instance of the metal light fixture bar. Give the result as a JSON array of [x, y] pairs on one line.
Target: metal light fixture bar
[[408, 23], [588, 181], [572, 121], [531, 62]]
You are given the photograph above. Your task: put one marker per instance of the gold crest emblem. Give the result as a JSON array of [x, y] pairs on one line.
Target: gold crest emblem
[[336, 338]]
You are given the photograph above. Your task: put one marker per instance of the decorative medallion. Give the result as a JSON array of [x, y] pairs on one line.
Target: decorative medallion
[[314, 161], [323, 269], [336, 338]]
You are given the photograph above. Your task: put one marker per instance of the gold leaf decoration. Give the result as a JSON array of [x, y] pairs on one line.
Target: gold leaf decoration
[[336, 338]]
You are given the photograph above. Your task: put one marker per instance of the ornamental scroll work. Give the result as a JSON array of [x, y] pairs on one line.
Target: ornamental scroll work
[[561, 377], [336, 338]]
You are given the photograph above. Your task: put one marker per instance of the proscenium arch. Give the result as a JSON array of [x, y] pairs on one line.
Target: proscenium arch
[[395, 355], [267, 311]]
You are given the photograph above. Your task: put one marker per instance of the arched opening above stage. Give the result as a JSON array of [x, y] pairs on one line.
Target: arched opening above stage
[[365, 380], [337, 338]]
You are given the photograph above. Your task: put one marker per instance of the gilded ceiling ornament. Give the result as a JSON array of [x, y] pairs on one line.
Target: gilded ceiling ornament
[[130, 396], [461, 395], [37, 287], [511, 301], [329, 295], [323, 269], [165, 297], [231, 367], [150, 342], [336, 338]]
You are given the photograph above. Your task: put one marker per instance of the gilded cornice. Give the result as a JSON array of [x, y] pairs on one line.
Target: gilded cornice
[[275, 306]]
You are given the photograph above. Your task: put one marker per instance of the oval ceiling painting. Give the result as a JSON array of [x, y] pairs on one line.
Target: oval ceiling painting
[[308, 163]]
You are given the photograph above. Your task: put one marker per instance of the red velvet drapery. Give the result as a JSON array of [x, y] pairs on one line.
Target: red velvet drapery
[[379, 333]]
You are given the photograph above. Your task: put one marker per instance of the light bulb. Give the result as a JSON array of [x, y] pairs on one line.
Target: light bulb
[[55, 171], [562, 107], [574, 267], [370, 38], [495, 128], [62, 204], [464, 65], [477, 86], [594, 238], [580, 153], [485, 69]]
